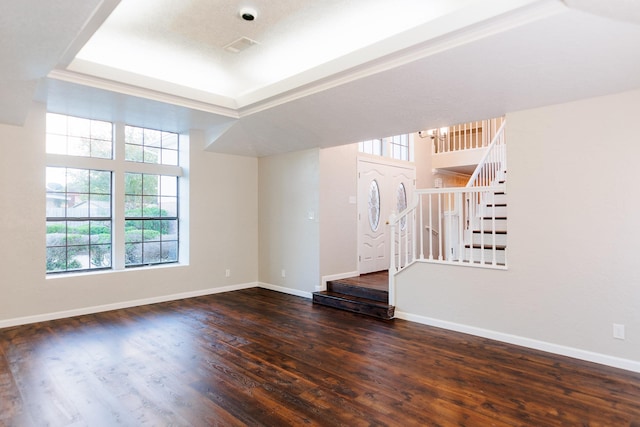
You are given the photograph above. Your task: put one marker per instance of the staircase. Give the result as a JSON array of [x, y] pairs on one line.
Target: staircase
[[446, 225], [487, 236], [365, 294]]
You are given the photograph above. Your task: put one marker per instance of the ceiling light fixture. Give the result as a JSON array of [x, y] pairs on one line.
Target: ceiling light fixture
[[248, 14], [441, 133]]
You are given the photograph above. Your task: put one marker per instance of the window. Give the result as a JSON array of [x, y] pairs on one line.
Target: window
[[397, 147], [78, 219], [79, 137], [151, 219], [84, 211], [401, 204], [150, 146], [374, 205], [373, 146]]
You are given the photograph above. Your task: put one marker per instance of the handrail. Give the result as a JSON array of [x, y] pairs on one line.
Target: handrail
[[455, 190], [487, 155]]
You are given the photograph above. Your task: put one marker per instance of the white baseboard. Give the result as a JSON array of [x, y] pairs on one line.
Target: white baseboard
[[116, 306], [325, 279], [285, 290], [603, 359]]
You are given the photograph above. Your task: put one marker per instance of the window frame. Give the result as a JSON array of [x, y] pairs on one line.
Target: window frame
[[389, 147], [118, 167]]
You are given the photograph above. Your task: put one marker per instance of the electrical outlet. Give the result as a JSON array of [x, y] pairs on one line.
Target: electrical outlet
[[618, 331], [227, 273], [284, 273]]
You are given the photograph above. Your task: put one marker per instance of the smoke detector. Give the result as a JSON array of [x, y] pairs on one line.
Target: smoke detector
[[248, 14]]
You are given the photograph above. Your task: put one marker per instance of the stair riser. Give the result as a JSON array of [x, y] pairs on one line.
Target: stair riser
[[488, 255], [362, 292], [355, 307], [490, 211], [499, 199], [501, 239], [501, 225]]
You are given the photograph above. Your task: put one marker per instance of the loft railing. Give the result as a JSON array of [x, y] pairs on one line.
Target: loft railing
[[458, 225], [493, 163], [465, 136]]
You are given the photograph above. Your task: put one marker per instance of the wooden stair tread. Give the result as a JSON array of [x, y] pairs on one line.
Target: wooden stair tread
[[490, 232], [486, 246], [486, 262]]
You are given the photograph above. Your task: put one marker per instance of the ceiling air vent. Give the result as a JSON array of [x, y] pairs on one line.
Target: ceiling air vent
[[239, 45]]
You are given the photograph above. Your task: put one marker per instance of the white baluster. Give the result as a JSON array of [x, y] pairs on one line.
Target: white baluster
[[392, 255], [413, 235], [460, 209], [441, 235], [430, 235], [471, 202], [465, 137], [421, 229], [493, 231], [399, 247], [406, 242]]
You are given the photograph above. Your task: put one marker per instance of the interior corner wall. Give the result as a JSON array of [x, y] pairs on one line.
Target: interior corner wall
[[223, 222], [422, 156], [289, 221], [572, 237], [338, 210]]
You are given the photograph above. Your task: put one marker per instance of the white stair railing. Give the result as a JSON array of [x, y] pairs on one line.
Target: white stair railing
[[458, 225], [441, 228]]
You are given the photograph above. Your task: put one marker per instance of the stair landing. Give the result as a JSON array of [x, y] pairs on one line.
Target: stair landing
[[365, 294]]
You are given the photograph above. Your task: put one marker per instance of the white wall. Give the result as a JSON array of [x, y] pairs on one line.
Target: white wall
[[289, 224], [573, 233], [338, 210], [223, 219]]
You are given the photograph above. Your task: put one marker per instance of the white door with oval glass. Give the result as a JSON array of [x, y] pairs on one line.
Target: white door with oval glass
[[383, 188]]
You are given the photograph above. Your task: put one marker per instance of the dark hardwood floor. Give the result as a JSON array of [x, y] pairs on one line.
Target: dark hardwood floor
[[257, 357]]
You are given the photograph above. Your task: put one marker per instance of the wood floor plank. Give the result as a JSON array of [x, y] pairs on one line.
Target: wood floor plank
[[258, 357]]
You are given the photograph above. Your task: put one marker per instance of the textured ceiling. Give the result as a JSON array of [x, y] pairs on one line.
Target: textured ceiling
[[457, 61]]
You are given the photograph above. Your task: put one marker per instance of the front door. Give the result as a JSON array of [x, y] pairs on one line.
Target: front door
[[383, 188]]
